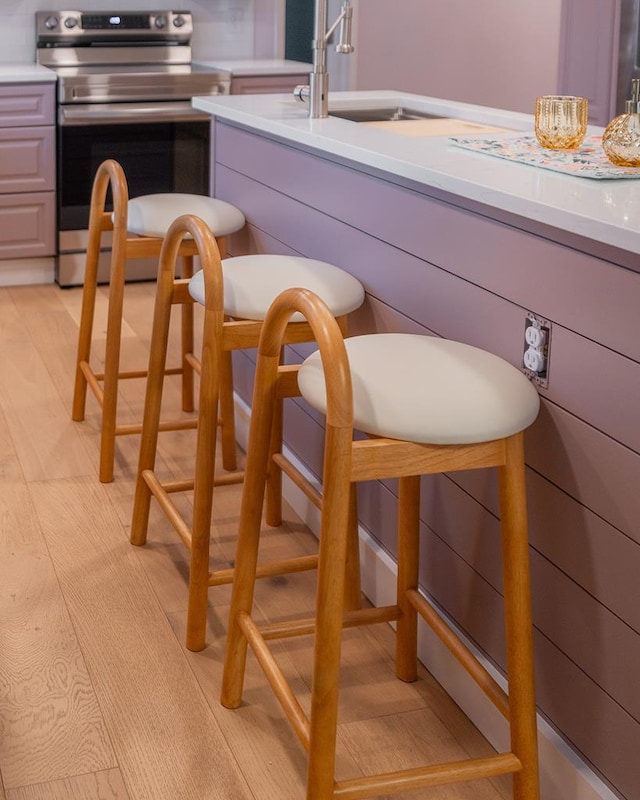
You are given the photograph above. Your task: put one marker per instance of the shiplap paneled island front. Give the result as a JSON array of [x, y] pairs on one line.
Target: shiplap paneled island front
[[464, 245]]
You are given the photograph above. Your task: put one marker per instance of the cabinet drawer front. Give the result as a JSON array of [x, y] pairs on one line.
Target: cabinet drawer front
[[27, 159], [27, 225], [27, 104]]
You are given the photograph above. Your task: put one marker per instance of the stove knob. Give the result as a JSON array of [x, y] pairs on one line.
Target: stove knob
[[50, 23], [179, 21], [161, 22], [70, 22]]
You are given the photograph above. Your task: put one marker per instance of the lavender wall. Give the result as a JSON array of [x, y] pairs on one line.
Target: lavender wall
[[496, 53]]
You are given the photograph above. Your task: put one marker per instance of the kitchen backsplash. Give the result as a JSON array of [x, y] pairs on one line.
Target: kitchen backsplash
[[223, 29]]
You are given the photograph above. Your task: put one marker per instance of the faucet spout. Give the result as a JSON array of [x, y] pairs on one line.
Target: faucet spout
[[318, 92]]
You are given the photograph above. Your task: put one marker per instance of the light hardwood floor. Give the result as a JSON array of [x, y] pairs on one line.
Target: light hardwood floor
[[99, 698]]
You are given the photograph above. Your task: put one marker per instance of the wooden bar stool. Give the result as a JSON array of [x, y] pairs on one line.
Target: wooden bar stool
[[139, 225], [429, 405], [236, 295]]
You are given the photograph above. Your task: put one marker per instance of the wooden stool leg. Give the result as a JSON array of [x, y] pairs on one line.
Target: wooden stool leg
[[152, 405], [112, 359], [188, 343], [408, 568], [329, 608], [203, 486], [273, 514], [249, 531], [227, 406], [519, 634], [227, 414], [87, 315], [85, 333], [353, 590]]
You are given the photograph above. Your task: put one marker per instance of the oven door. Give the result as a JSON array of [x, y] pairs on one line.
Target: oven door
[[161, 149]]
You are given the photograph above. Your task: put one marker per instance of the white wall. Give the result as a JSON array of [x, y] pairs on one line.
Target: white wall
[[224, 28], [495, 52]]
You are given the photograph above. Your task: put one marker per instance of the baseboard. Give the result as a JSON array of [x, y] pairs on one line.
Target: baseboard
[[563, 774], [27, 271]]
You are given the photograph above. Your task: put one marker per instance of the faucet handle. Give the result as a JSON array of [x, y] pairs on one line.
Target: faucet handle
[[344, 44], [302, 93]]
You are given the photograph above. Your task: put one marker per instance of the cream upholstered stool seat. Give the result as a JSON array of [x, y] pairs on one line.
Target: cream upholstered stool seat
[[236, 294], [429, 406], [251, 284], [425, 389], [138, 226], [152, 214]]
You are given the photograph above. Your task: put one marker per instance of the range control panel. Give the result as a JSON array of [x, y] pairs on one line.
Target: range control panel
[[78, 28]]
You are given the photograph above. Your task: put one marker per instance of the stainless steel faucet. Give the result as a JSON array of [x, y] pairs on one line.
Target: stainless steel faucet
[[317, 92]]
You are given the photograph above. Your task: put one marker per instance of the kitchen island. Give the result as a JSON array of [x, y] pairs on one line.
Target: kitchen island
[[468, 246]]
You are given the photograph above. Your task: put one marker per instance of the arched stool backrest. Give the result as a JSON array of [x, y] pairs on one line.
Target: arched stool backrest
[[137, 226], [222, 335]]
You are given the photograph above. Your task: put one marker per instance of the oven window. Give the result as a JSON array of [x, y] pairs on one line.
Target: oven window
[[156, 157]]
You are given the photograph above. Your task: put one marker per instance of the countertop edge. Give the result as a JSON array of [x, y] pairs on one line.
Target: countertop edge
[[597, 210], [241, 68], [26, 73]]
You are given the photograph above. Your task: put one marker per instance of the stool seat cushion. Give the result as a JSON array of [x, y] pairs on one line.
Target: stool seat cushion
[[252, 283], [152, 214], [428, 390]]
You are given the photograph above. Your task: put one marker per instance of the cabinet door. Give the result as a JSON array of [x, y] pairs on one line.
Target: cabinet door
[[27, 159], [27, 225], [268, 84], [27, 104]]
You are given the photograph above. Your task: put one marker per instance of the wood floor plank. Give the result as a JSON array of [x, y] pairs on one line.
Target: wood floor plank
[[125, 607], [166, 740], [264, 745], [137, 318], [52, 726], [53, 331], [106, 785], [39, 422], [405, 741], [450, 715]]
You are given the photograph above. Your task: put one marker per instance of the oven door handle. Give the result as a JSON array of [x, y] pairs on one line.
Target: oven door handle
[[128, 113]]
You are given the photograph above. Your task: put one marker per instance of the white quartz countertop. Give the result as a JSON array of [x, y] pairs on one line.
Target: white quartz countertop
[[606, 211], [25, 73], [265, 66]]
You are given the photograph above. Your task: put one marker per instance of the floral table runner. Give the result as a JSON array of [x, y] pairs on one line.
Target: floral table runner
[[587, 161]]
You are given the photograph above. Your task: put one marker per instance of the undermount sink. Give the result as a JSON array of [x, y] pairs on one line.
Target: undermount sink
[[407, 121], [394, 114]]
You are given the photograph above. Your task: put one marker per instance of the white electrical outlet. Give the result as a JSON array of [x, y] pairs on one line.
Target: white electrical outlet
[[535, 356]]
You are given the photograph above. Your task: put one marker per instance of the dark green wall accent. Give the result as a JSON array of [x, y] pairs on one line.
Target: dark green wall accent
[[298, 30]]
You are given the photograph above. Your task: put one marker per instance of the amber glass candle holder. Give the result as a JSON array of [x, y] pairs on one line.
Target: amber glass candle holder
[[561, 121]]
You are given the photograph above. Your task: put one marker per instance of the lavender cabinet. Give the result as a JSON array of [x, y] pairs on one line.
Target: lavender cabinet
[[434, 262], [27, 104], [27, 170]]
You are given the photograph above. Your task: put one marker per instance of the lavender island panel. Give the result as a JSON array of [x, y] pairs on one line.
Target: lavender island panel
[[436, 264]]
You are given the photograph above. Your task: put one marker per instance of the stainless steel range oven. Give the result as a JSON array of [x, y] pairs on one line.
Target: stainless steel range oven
[[125, 82]]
